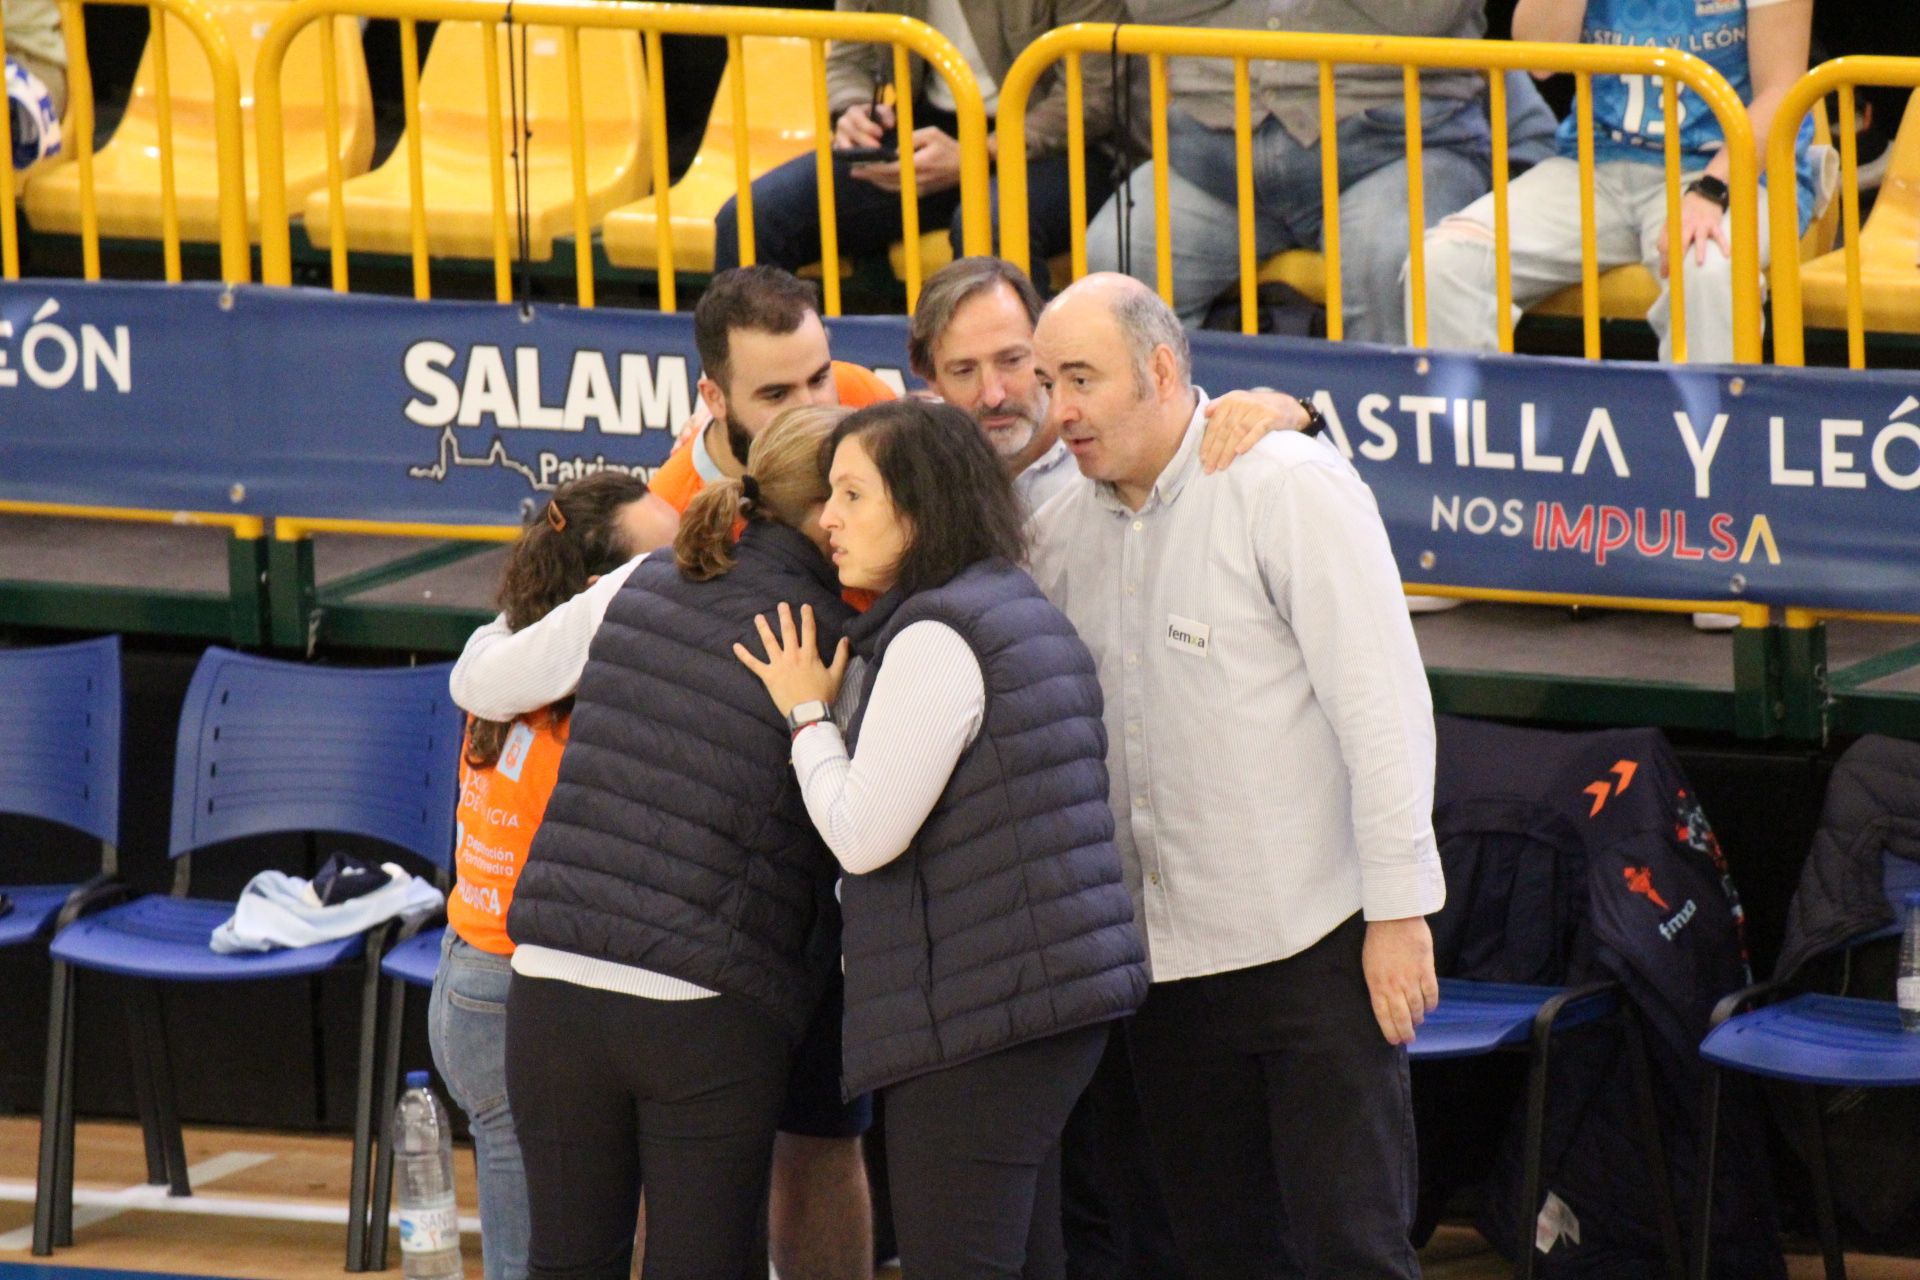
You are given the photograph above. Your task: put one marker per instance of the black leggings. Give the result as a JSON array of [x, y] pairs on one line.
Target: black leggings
[[611, 1092], [973, 1160]]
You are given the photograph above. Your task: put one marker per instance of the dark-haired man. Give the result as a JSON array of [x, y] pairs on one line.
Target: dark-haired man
[[762, 349]]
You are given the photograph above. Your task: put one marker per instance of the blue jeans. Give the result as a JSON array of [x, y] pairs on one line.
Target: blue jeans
[[1287, 207], [467, 1027], [786, 212]]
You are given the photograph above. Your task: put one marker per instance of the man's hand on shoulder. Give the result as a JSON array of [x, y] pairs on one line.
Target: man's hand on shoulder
[[1239, 420], [1397, 959]]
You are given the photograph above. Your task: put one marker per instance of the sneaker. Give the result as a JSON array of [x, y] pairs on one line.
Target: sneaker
[[1432, 604], [1716, 622]]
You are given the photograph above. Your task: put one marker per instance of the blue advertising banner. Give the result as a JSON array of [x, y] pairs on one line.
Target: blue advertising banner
[[1625, 479]]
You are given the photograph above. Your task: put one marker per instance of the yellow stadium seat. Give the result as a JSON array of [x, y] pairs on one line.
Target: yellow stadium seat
[[779, 127], [127, 170], [1303, 269], [936, 251], [458, 182], [1889, 250]]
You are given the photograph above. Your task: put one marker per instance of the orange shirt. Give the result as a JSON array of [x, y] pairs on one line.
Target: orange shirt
[[500, 809], [680, 477]]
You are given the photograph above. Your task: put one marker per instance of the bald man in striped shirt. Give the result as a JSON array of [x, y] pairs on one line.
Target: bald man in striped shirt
[[1271, 748]]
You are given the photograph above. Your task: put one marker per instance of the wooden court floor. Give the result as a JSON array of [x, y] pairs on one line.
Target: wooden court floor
[[272, 1206]]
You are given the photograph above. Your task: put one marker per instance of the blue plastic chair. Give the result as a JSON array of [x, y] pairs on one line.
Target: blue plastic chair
[[1477, 1018], [1809, 1040], [264, 747], [60, 761]]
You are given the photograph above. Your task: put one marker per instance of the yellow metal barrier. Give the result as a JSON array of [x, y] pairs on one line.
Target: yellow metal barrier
[[9, 233], [1750, 613], [652, 20], [1789, 334], [1494, 57], [240, 526], [298, 528], [1802, 619], [230, 158]]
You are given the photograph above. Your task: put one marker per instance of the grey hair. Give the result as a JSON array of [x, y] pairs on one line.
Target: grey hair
[[948, 289], [1148, 323]]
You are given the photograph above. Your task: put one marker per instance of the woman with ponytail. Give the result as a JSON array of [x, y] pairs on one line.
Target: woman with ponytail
[[674, 922], [506, 774]]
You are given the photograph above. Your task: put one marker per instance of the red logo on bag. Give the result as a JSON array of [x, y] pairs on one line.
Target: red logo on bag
[[1640, 881]]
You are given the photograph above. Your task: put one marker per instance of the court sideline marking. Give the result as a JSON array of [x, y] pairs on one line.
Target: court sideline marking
[[90, 1207], [93, 1206]]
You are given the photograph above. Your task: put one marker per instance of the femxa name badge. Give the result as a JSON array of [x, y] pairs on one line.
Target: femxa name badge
[[1187, 636]]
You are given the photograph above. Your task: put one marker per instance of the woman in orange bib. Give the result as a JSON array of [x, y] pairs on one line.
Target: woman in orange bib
[[507, 773]]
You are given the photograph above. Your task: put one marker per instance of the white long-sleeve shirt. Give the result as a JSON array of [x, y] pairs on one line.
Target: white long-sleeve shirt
[[1270, 734], [925, 711], [502, 673]]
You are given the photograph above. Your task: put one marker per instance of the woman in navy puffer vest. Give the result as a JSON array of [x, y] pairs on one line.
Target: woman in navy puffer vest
[[670, 917], [988, 936]]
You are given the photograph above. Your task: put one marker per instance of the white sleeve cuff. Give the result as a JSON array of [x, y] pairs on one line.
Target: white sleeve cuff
[[1419, 889]]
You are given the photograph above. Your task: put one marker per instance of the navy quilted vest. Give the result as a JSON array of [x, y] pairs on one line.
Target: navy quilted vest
[[676, 839], [1006, 919]]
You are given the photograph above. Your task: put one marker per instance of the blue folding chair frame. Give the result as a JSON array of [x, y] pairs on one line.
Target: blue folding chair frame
[[264, 747], [60, 761], [1476, 1018], [1805, 1040]]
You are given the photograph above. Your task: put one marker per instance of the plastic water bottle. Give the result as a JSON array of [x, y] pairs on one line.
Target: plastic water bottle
[[423, 1172], [1909, 986]]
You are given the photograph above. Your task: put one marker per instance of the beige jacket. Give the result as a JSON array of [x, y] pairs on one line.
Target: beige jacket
[[1002, 30], [33, 37]]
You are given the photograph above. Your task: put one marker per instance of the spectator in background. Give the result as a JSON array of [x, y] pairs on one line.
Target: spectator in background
[[786, 202], [1286, 154], [1843, 28], [1759, 46], [36, 78]]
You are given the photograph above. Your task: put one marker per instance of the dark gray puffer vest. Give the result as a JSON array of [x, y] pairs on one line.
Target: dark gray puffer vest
[[676, 839], [1006, 919]]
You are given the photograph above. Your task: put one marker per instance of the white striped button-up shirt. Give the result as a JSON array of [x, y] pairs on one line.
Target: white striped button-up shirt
[[1270, 733]]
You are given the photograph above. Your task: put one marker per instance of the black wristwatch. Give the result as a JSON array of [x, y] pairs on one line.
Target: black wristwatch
[[1315, 423], [1712, 189]]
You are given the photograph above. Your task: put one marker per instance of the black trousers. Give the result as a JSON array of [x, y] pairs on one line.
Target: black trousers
[[612, 1092], [973, 1160], [1281, 1119], [1112, 1212]]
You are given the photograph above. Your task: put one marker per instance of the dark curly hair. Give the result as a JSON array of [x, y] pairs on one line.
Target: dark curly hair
[[943, 476], [574, 537]]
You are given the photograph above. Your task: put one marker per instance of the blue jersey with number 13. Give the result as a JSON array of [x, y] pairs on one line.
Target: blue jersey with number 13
[[1629, 118]]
